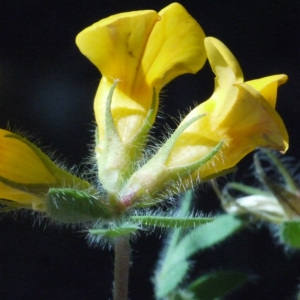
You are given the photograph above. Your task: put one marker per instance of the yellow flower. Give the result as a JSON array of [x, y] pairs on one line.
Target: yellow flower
[[238, 117], [26, 173], [142, 51], [241, 114]]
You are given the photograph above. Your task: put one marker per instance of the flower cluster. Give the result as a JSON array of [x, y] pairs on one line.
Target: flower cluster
[[138, 53]]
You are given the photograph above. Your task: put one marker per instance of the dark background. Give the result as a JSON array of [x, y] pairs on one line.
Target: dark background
[[47, 89]]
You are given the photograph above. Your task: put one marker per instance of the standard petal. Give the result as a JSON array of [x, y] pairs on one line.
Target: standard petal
[[175, 46], [265, 126], [267, 86], [116, 44]]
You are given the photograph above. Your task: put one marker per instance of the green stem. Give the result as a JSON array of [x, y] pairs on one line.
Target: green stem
[[122, 264]]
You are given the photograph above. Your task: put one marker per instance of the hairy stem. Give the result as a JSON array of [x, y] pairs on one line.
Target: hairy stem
[[122, 264]]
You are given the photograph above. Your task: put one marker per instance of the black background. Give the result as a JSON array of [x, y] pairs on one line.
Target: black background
[[47, 89]]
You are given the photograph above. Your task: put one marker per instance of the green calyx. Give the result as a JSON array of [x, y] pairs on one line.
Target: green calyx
[[156, 177], [72, 206], [118, 159]]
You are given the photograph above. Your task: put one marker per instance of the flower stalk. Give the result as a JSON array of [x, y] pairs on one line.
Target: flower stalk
[[122, 264]]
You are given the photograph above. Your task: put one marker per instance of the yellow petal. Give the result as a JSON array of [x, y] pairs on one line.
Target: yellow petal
[[21, 198], [223, 62], [128, 115], [265, 126], [175, 46], [19, 163], [267, 86], [26, 173], [116, 45]]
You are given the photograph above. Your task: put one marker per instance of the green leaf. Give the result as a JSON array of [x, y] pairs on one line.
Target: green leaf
[[73, 206], [115, 231], [171, 278], [181, 295], [290, 233], [184, 242], [175, 263], [172, 269], [207, 236], [216, 285], [171, 222]]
